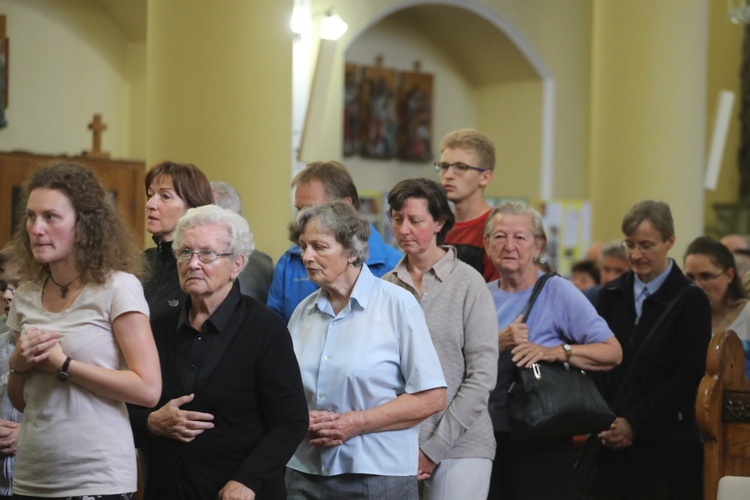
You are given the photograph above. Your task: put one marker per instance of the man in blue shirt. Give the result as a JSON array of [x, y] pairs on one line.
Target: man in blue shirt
[[318, 183]]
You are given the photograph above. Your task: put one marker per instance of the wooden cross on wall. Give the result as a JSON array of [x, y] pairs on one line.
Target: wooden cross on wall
[[97, 126]]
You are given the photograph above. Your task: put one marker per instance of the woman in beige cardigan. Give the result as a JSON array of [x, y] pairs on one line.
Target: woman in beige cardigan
[[456, 445]]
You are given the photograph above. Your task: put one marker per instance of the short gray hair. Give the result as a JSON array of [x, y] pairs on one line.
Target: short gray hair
[[656, 212], [518, 208], [613, 250], [226, 196], [239, 239], [344, 223]]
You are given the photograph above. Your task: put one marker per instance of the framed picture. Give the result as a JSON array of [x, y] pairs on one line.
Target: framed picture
[[351, 109], [4, 53], [379, 118], [415, 113]]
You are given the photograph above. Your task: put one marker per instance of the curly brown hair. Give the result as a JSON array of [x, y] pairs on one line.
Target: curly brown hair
[[103, 241]]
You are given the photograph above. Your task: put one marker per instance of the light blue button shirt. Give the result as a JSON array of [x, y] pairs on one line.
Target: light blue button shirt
[[375, 349], [653, 287]]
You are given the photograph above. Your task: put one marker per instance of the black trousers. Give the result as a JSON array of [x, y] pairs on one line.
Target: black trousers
[[535, 469], [653, 471]]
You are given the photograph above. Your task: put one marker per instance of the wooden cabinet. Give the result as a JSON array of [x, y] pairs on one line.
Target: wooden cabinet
[[123, 178]]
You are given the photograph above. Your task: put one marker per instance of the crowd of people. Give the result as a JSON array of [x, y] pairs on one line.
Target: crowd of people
[[349, 369]]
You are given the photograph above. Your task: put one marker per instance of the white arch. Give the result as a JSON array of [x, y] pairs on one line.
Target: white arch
[[548, 82]]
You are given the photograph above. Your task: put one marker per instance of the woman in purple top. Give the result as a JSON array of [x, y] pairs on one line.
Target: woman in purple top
[[563, 327]]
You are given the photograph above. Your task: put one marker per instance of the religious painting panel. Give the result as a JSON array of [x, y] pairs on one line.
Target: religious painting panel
[[415, 116], [4, 53], [352, 85], [379, 124]]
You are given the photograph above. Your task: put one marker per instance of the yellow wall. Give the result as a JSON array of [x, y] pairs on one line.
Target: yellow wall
[[68, 61], [724, 63], [223, 101], [511, 114], [648, 112]]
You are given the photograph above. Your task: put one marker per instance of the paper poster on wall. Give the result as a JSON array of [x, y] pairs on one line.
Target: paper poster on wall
[[568, 227], [371, 207], [494, 201]]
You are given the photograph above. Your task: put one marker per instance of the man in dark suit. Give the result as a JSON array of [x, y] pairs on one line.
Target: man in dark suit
[[653, 449]]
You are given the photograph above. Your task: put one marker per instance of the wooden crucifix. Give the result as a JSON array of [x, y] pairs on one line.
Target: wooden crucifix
[[97, 126]]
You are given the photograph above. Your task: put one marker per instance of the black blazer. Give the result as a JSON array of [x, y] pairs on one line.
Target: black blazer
[[250, 382], [659, 400]]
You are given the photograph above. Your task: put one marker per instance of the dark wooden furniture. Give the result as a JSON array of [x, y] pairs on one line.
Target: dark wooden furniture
[[123, 178], [723, 412]]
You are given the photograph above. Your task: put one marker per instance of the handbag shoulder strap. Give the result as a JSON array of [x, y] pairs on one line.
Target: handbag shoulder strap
[[535, 293], [649, 336]]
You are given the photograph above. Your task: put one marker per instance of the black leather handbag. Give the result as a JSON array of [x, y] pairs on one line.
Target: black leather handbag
[[554, 399]]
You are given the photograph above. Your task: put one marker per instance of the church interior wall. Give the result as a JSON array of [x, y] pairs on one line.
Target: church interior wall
[[70, 60]]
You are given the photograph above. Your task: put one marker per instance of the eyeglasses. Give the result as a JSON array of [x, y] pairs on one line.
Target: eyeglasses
[[458, 167], [645, 247], [703, 277], [10, 288], [205, 255]]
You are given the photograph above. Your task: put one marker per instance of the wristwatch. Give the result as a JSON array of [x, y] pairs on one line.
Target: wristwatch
[[62, 373], [568, 351]]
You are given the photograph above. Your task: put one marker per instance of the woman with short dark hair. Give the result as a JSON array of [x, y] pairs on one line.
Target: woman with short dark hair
[[456, 445], [171, 189]]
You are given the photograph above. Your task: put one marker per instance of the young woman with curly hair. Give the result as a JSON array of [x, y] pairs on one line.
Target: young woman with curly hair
[[84, 346]]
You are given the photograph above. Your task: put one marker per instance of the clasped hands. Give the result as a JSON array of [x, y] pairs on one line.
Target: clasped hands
[[515, 338], [328, 429], [8, 437], [37, 348], [619, 435]]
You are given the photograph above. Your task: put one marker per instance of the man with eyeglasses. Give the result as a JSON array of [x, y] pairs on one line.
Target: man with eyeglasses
[[653, 448], [467, 160]]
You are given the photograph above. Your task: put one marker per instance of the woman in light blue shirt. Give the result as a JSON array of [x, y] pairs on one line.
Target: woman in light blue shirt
[[369, 369]]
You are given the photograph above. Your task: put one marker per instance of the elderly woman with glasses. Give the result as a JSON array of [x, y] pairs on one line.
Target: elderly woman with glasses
[[562, 327], [370, 371], [232, 410], [711, 266]]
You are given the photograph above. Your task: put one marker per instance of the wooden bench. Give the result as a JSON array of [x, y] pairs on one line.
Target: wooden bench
[[723, 411]]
